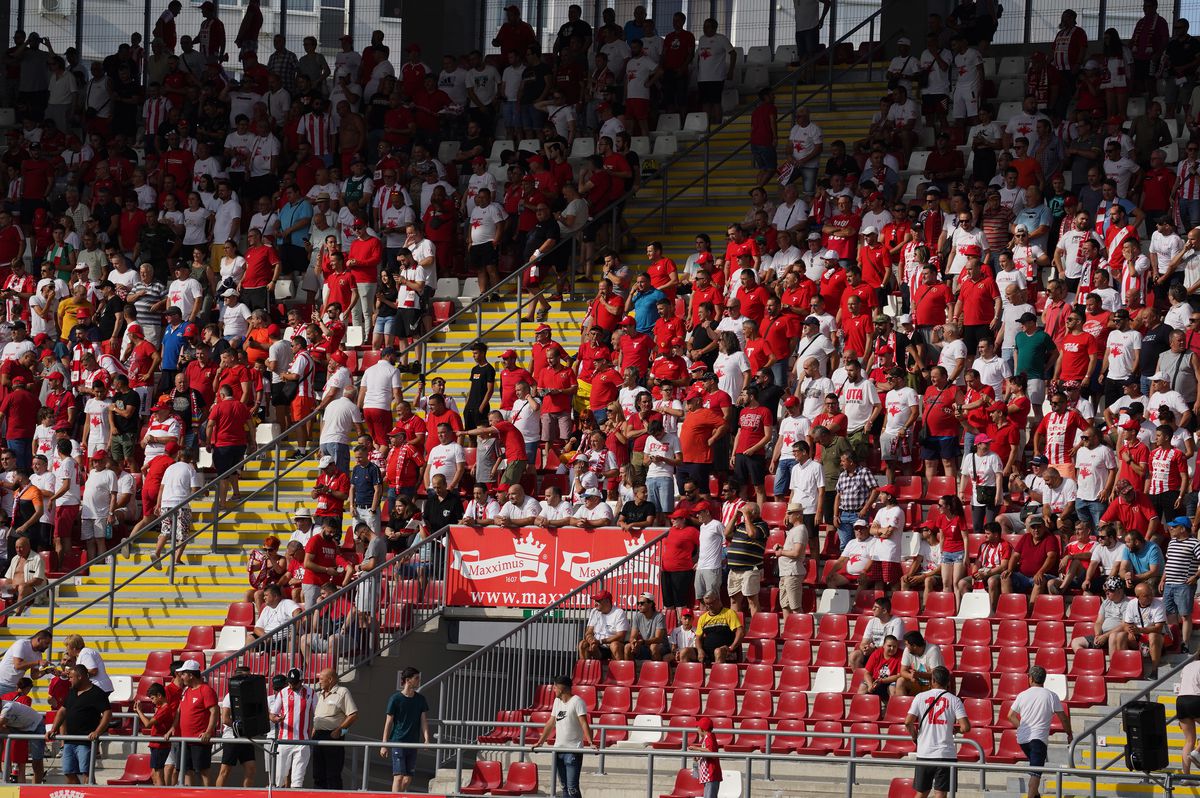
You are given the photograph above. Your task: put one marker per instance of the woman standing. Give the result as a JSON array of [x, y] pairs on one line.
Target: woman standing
[[951, 523], [708, 768], [1187, 710]]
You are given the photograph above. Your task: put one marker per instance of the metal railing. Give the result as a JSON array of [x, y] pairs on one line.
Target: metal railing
[[749, 766], [514, 282], [358, 622], [511, 669], [49, 591]]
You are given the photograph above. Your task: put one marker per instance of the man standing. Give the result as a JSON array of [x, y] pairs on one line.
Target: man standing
[[198, 716], [335, 713], [569, 722], [931, 721], [24, 658], [407, 720], [379, 391], [1032, 712], [293, 721], [85, 712]]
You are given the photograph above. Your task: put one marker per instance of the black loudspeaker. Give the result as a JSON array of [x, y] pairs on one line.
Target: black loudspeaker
[[248, 706], [1145, 725]]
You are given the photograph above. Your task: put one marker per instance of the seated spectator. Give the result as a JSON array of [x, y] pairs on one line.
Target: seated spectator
[[882, 669], [924, 569], [1034, 562], [276, 612], [1143, 561], [482, 509], [640, 513], [682, 638], [26, 573], [648, 635], [719, 632], [266, 566], [554, 511], [1076, 561], [520, 509], [337, 628], [1108, 631], [855, 558], [916, 664], [594, 512], [1145, 625], [607, 630], [994, 560], [882, 625]]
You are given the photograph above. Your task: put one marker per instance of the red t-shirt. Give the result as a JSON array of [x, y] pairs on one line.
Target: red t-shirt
[[229, 418], [1031, 556], [930, 303], [635, 352], [139, 364], [324, 554], [1135, 515], [1077, 349], [604, 320], [763, 125], [508, 385], [195, 710], [561, 378], [260, 266], [431, 424], [754, 302], [513, 441], [677, 46], [130, 226], [978, 299], [698, 426], [951, 531], [778, 334], [752, 425], [331, 505], [659, 274], [20, 408], [606, 386], [679, 549], [367, 255], [939, 412]]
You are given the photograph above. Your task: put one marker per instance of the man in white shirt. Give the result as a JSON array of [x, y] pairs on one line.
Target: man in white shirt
[[807, 143], [66, 499], [378, 393], [1145, 624], [932, 720], [276, 611], [710, 555], [882, 624], [342, 417], [89, 658], [179, 481], [447, 458], [594, 512], [97, 506], [553, 511], [967, 67], [641, 72], [715, 60], [520, 510], [1032, 712], [607, 626]]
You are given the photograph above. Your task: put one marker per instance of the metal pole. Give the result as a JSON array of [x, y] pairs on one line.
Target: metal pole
[[215, 510], [833, 9], [1101, 20], [706, 170], [275, 486], [112, 587], [870, 47], [663, 175], [771, 19], [147, 24], [519, 311], [283, 18], [79, 10]]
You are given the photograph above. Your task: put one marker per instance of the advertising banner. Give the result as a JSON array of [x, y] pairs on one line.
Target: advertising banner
[[534, 567]]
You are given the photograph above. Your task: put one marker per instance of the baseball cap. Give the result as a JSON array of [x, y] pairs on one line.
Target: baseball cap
[[869, 230], [191, 331], [903, 40], [359, 224], [325, 462], [1161, 376], [542, 328], [791, 401], [229, 292], [55, 376], [1020, 229], [997, 407], [323, 197], [1039, 459], [164, 400], [339, 357], [603, 107], [814, 236], [593, 493], [695, 393], [677, 341], [1036, 520], [135, 329], [507, 353], [1115, 119], [812, 320], [479, 159], [1113, 583], [171, 449], [19, 381], [191, 666], [603, 595], [984, 438], [679, 512], [1129, 423], [890, 490], [861, 522], [628, 321], [99, 454], [698, 367], [646, 597], [602, 353], [295, 675], [972, 250], [829, 254], [398, 430], [1028, 317], [685, 613], [1180, 520], [83, 313]]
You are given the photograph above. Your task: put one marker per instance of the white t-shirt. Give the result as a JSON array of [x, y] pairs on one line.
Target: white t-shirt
[[90, 659], [485, 81], [940, 710], [379, 381], [20, 650], [712, 57], [568, 731], [804, 140], [939, 77], [338, 422], [601, 512], [665, 446], [1109, 557], [807, 479], [791, 430], [271, 618], [605, 625], [223, 227], [484, 222], [858, 401], [712, 546], [530, 508], [178, 482], [993, 372], [1137, 615], [97, 492], [1092, 467], [877, 630], [983, 470], [857, 553], [966, 70], [1058, 498], [67, 473], [952, 352], [637, 73], [1121, 346], [444, 459], [896, 407], [794, 566], [1036, 706], [184, 294], [235, 320]]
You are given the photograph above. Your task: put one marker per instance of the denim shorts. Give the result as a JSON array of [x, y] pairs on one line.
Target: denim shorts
[[512, 114], [1177, 599], [951, 557], [384, 325], [404, 761], [76, 759], [1021, 583]]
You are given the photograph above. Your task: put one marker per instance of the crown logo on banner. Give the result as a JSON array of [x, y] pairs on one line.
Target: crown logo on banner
[[633, 544], [528, 547]]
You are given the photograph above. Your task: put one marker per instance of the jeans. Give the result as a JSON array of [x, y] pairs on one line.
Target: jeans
[[1189, 211], [1090, 510], [845, 529], [808, 176], [22, 449], [1008, 354], [662, 493], [362, 311], [783, 479], [779, 373], [340, 452], [569, 766]]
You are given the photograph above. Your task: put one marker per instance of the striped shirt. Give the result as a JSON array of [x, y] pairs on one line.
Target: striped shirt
[[1188, 176], [1183, 556], [731, 511], [746, 547], [155, 112], [302, 366], [296, 707], [1167, 470], [318, 129], [151, 295]]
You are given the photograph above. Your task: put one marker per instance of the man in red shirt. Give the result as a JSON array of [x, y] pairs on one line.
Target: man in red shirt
[[365, 259], [1131, 509], [197, 716], [756, 426], [556, 387], [779, 331], [751, 296], [764, 121], [37, 178], [332, 488], [404, 464], [679, 48], [663, 273], [19, 409], [978, 306], [605, 386], [1078, 351], [262, 271], [700, 432], [841, 228], [542, 344], [511, 441], [875, 264], [510, 375], [739, 244], [942, 428], [1133, 456], [704, 290], [228, 433], [436, 413], [635, 347], [1037, 553], [606, 309], [515, 35], [668, 327]]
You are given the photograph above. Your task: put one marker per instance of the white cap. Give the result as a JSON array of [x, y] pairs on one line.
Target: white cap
[[45, 281], [325, 462], [1162, 375], [191, 666], [229, 292], [593, 493], [829, 254], [814, 236], [1020, 229], [904, 40], [1092, 63], [868, 231], [904, 319]]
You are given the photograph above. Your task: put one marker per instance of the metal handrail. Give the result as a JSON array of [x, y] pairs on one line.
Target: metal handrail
[[517, 276], [110, 556], [295, 626]]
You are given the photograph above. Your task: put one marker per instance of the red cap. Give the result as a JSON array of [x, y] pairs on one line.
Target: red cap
[[339, 357], [541, 328], [100, 454], [602, 353], [888, 489], [135, 329], [172, 448], [972, 250], [501, 486], [1129, 423], [685, 613], [82, 313], [697, 367], [997, 407], [695, 393], [603, 107], [507, 353], [55, 376], [478, 159], [603, 595], [164, 400], [1115, 119], [677, 341], [680, 513], [628, 321], [791, 401], [359, 224], [19, 381], [40, 339], [191, 331]]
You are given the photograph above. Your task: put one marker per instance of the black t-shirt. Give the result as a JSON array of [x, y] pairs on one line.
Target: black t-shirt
[[1182, 51], [534, 83], [1154, 342], [125, 426], [633, 513], [108, 313], [769, 396], [440, 512], [569, 30], [482, 378], [702, 337], [540, 234], [103, 213], [377, 106], [84, 710]]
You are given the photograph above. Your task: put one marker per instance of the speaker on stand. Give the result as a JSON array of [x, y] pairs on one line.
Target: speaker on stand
[[1145, 724], [248, 705]]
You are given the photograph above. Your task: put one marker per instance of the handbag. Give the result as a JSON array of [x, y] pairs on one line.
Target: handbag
[[985, 493]]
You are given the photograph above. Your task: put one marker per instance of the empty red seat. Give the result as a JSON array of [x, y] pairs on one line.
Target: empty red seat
[[975, 659], [1049, 634], [939, 487], [684, 701], [831, 653], [981, 735], [1012, 633], [650, 701], [860, 747], [1089, 691], [758, 676], [796, 652], [158, 663], [543, 699], [974, 544], [901, 788], [760, 651], [941, 605], [791, 706], [1014, 659], [1012, 605], [774, 513], [1125, 665], [1084, 608], [979, 711], [792, 678], [610, 736], [975, 632], [687, 674], [673, 739], [864, 709], [898, 744], [486, 776], [763, 626], [798, 626], [897, 710], [755, 704], [587, 671], [827, 706], [833, 627], [621, 672], [1002, 721], [975, 685], [522, 779], [1052, 658], [1047, 607], [505, 729], [906, 603], [616, 698], [790, 737], [721, 703], [1008, 751], [1010, 685], [200, 638], [826, 737], [240, 613], [722, 676], [751, 736], [655, 674], [137, 771], [940, 631], [908, 489], [1088, 662]]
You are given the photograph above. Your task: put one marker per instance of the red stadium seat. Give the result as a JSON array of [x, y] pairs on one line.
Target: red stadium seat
[[975, 659], [485, 776], [1088, 662], [791, 706], [1002, 721], [1125, 665], [940, 631], [975, 685], [442, 311], [897, 710], [939, 487], [774, 513], [1012, 606], [755, 704], [979, 711], [793, 678], [673, 739], [864, 709], [650, 701], [833, 627], [722, 676], [687, 674], [796, 652], [759, 651], [899, 743], [831, 653], [906, 603], [616, 698], [901, 788], [655, 674], [200, 638], [1012, 633], [137, 771], [612, 736], [587, 671], [861, 747], [1088, 692], [940, 605], [621, 672], [522, 779], [1008, 752], [721, 703], [1052, 658], [532, 732], [974, 543], [158, 664], [684, 701], [758, 676], [686, 786], [826, 738], [1047, 608], [975, 632], [241, 613], [751, 736], [798, 626], [543, 699], [1049, 634], [791, 740], [763, 626], [1014, 659], [827, 706], [503, 731], [1010, 685], [908, 489], [981, 735], [1084, 608]]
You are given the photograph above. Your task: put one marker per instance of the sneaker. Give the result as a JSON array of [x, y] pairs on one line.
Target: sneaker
[[1183, 649], [296, 455], [1195, 757]]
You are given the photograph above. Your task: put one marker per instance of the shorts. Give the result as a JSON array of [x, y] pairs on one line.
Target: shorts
[[366, 598], [556, 426], [76, 759], [1035, 752], [480, 256], [939, 447], [746, 583], [158, 758], [935, 104], [92, 529], [710, 91], [1036, 391], [226, 457], [1021, 583], [277, 397], [236, 753], [637, 109], [511, 114], [404, 761], [886, 572], [677, 588], [965, 104], [384, 325], [513, 472], [750, 470], [302, 406], [1177, 599], [763, 157], [66, 521], [791, 588], [932, 777], [1187, 707], [1141, 69], [197, 757], [122, 446], [408, 323], [953, 557], [176, 525], [708, 580], [888, 446]]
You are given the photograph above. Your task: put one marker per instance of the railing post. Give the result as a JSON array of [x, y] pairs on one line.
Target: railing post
[[663, 176], [112, 586], [520, 310], [829, 55], [706, 163], [215, 511], [870, 47], [275, 487], [479, 320]]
